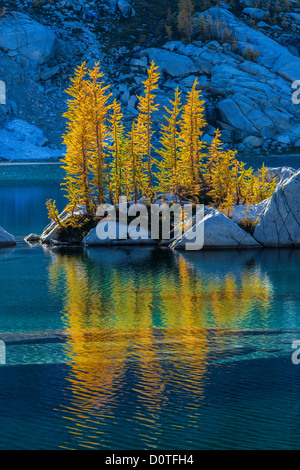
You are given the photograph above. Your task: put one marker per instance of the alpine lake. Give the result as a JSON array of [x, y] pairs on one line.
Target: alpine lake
[[142, 347]]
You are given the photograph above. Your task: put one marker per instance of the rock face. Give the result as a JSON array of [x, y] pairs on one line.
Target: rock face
[[247, 84], [256, 13], [245, 80], [272, 55], [171, 63], [20, 34], [6, 239], [220, 232], [279, 224]]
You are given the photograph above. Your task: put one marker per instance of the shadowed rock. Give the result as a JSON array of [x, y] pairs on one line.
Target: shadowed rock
[[279, 225]]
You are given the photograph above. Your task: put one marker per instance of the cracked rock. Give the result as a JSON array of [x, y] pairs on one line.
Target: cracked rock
[[279, 224], [219, 232]]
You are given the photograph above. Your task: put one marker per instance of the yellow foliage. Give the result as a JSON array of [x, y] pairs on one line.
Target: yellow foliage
[[98, 110], [100, 156], [53, 212], [230, 183], [118, 152], [146, 107], [190, 144], [137, 146], [85, 139]]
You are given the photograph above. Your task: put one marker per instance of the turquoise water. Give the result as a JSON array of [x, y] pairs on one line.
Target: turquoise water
[[146, 349], [24, 190]]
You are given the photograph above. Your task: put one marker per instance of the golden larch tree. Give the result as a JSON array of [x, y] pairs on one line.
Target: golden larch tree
[[146, 108], [76, 162], [192, 124], [169, 147], [98, 99], [118, 150]]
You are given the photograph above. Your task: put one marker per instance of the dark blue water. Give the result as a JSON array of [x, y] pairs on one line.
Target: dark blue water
[[271, 160], [114, 348], [24, 190]]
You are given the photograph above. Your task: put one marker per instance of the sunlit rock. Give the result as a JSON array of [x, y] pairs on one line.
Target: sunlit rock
[[219, 232], [113, 233]]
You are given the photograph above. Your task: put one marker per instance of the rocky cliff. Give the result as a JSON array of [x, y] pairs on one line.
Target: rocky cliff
[[246, 77]]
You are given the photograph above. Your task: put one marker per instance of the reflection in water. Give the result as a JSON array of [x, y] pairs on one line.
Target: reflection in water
[[143, 328], [164, 350]]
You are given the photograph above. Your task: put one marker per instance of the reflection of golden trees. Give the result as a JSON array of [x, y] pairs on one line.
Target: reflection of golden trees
[[154, 322]]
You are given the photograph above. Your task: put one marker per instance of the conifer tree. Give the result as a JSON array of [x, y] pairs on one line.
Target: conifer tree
[[169, 141], [138, 147], [146, 108], [85, 138], [101, 158], [76, 159], [192, 124], [214, 154], [117, 150], [99, 107], [53, 213]]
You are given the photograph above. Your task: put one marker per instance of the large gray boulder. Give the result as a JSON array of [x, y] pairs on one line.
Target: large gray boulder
[[116, 235], [255, 99], [171, 63], [6, 239], [125, 8], [279, 225], [219, 232], [22, 35]]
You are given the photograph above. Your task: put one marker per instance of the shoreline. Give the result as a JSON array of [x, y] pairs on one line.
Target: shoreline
[[55, 161]]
